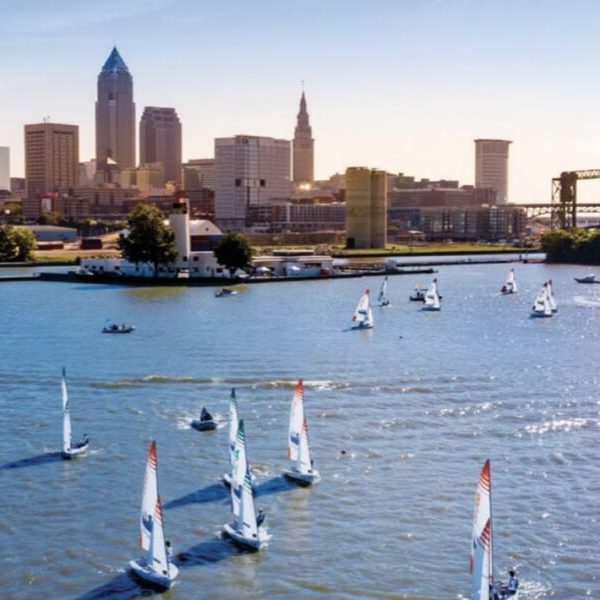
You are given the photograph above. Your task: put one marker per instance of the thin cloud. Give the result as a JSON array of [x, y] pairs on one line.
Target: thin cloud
[[57, 20]]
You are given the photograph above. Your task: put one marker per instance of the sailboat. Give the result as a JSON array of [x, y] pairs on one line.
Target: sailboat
[[298, 451], [510, 287], [432, 298], [234, 453], [382, 299], [541, 305], [551, 298], [481, 563], [245, 529], [155, 566], [70, 450], [363, 315]]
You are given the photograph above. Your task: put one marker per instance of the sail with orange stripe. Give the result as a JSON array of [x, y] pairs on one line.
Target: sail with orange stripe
[[481, 564], [296, 421]]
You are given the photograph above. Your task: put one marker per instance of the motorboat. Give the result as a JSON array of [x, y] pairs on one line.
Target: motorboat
[[418, 295], [205, 422], [225, 292], [591, 278], [114, 328]]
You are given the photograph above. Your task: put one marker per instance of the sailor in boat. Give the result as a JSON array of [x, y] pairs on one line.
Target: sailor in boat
[[205, 415], [260, 517], [511, 587], [84, 442], [170, 554]]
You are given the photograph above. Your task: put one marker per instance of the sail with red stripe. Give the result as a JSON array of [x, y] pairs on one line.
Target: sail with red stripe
[[296, 421], [481, 564], [149, 498]]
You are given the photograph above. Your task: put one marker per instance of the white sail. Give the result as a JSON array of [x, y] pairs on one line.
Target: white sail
[[432, 298], [382, 298], [149, 499], [239, 467], [541, 304], [363, 315], [296, 420], [156, 558], [510, 287], [245, 518], [233, 423], [481, 538], [66, 414], [304, 464], [551, 298]]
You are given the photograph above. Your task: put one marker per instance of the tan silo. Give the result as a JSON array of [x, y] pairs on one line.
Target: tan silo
[[358, 207], [378, 209]]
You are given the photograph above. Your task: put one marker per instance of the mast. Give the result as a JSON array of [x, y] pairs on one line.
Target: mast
[[491, 526]]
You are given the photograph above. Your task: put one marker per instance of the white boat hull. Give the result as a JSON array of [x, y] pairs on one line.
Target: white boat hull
[[75, 452], [302, 478], [141, 569], [254, 543]]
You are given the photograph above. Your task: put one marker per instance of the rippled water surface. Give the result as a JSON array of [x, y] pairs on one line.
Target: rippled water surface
[[418, 404]]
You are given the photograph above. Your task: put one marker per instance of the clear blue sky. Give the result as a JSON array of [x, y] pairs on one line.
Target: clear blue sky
[[404, 85]]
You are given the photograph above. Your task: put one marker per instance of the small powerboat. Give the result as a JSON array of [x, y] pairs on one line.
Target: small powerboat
[[224, 292], [205, 422], [419, 295], [114, 328], [587, 279]]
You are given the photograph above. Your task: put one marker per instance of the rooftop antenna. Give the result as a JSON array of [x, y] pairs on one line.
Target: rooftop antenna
[[302, 83], [46, 119]]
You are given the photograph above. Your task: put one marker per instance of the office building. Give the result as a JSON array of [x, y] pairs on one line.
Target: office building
[[366, 208], [160, 140], [198, 173], [491, 167], [51, 158], [4, 168], [115, 114], [251, 171], [303, 147]]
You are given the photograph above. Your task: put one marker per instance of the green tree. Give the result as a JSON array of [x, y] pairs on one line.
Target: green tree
[[51, 218], [149, 239], [233, 252], [16, 244]]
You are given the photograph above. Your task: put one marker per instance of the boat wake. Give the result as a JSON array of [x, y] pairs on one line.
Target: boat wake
[[587, 302]]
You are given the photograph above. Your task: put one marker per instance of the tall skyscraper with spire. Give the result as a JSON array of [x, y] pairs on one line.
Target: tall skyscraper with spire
[[115, 113], [303, 147]]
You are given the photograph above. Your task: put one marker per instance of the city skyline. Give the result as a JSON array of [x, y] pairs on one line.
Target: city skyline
[[403, 86]]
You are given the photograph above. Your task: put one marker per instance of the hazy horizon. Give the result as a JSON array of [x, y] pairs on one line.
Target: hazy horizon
[[404, 86]]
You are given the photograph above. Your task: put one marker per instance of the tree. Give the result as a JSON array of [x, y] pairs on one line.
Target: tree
[[16, 244], [233, 252], [149, 239]]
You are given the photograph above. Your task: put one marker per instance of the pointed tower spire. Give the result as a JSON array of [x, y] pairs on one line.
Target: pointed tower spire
[[303, 145]]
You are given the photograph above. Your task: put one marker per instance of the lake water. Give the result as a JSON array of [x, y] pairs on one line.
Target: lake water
[[418, 403]]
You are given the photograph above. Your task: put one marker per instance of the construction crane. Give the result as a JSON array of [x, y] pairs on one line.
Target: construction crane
[[564, 195]]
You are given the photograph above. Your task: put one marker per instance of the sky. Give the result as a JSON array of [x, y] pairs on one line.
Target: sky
[[401, 85]]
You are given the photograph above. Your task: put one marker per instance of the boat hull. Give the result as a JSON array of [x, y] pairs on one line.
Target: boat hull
[[587, 280], [162, 580], [357, 327], [204, 425], [252, 543], [302, 478], [540, 315], [431, 308], [75, 452], [119, 330]]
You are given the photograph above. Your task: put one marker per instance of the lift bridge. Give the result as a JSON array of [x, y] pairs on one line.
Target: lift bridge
[[563, 207]]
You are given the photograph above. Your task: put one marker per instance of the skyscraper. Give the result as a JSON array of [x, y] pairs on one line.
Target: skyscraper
[[303, 147], [366, 208], [51, 158], [251, 171], [4, 168], [491, 167], [160, 140], [115, 114]]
